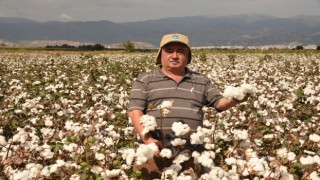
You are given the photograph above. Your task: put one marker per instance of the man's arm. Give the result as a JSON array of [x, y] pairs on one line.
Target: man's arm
[[135, 116]]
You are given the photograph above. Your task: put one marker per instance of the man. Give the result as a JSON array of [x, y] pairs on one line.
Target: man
[[173, 81]]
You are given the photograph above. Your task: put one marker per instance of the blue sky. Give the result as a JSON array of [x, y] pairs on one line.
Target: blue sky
[[140, 10]]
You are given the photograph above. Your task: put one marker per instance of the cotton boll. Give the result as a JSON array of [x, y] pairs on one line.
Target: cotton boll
[[180, 129], [217, 173], [166, 105], [233, 92], [145, 152], [314, 138], [195, 156], [285, 174], [46, 151], [241, 134], [197, 138], [99, 156], [231, 161], [291, 156], [306, 160], [180, 158], [54, 168], [127, 154], [207, 123], [256, 165], [60, 163], [149, 123], [248, 89], [239, 92], [166, 153], [314, 175], [282, 153], [171, 171], [46, 171], [71, 147], [22, 175], [3, 141], [205, 159], [316, 159], [178, 142], [111, 173]]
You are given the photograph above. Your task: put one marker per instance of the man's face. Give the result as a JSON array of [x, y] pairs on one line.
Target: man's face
[[174, 56]]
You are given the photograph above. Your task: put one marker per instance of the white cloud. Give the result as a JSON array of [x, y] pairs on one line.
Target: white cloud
[[65, 17]]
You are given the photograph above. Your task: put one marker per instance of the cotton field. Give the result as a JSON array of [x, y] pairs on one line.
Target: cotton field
[[63, 116]]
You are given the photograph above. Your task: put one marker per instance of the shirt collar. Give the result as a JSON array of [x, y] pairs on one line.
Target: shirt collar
[[189, 74]]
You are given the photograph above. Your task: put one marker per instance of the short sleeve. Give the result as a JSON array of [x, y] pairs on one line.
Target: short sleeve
[[213, 95], [138, 95]]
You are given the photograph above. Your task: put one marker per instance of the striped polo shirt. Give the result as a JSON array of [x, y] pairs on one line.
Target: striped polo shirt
[[193, 92]]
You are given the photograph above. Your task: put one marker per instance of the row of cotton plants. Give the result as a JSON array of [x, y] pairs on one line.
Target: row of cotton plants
[[63, 116]]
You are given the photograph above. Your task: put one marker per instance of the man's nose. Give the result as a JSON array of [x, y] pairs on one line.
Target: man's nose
[[175, 54]]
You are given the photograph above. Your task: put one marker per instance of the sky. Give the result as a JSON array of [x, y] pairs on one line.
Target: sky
[[141, 10]]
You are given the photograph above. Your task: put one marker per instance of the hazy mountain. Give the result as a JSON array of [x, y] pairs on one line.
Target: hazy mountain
[[203, 31], [14, 20]]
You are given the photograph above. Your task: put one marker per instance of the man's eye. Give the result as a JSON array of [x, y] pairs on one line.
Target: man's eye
[[168, 50], [181, 51]]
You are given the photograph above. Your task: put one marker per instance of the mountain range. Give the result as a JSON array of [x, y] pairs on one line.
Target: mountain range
[[240, 30]]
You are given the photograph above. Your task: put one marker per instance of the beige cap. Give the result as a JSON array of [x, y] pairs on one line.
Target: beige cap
[[169, 38]]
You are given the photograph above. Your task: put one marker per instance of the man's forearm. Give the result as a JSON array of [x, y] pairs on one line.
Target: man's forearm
[[135, 116]]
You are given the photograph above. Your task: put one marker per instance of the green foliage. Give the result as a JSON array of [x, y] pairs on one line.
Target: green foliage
[[128, 46], [203, 57], [299, 47], [95, 47]]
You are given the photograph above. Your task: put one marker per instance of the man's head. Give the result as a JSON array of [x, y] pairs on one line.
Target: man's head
[[174, 38]]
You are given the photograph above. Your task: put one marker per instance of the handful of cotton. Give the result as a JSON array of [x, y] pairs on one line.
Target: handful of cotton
[[149, 123], [239, 92]]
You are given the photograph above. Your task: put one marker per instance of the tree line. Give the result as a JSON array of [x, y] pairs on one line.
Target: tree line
[[127, 45], [95, 47]]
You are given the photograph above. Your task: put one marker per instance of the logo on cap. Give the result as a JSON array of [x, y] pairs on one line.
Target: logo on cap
[[175, 37]]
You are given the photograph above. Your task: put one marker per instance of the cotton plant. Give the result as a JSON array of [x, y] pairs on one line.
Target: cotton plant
[[205, 158], [114, 173], [165, 107], [181, 157], [145, 152], [62, 106], [171, 171], [128, 154], [198, 137]]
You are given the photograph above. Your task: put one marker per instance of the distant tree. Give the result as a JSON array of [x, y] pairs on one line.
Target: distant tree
[[64, 46], [299, 47], [98, 47], [318, 48], [128, 46]]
